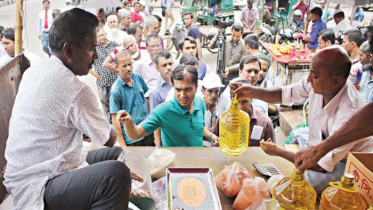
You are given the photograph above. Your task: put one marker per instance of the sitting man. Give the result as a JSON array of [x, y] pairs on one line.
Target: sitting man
[[112, 31], [188, 46], [52, 110], [128, 93], [317, 26], [260, 124], [249, 70], [234, 51], [333, 99], [181, 120], [326, 38]]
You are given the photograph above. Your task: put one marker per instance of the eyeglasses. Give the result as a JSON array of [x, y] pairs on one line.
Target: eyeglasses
[[155, 46]]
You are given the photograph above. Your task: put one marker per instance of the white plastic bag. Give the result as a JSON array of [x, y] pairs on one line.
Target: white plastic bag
[[138, 164], [265, 204], [252, 191], [159, 160]]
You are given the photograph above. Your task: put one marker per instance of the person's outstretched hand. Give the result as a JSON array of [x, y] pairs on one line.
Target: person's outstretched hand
[[123, 117], [306, 158], [242, 90]]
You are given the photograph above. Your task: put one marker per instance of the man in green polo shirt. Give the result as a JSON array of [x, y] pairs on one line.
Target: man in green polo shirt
[[181, 120]]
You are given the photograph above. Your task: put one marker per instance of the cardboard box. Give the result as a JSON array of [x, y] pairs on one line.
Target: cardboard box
[[361, 166]]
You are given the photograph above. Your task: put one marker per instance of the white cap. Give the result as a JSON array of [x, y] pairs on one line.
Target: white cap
[[212, 80], [142, 2]]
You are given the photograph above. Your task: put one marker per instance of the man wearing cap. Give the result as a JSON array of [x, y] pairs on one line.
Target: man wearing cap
[[260, 124], [234, 51], [143, 12], [126, 20], [342, 25], [367, 77], [249, 16], [112, 31], [302, 6]]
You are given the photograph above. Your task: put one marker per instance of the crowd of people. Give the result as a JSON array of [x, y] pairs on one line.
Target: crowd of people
[[150, 98]]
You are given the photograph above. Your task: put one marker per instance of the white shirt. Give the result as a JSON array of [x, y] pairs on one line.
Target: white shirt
[[33, 58], [2, 50], [147, 69], [52, 110], [343, 26], [225, 101], [118, 37], [41, 21], [324, 121]]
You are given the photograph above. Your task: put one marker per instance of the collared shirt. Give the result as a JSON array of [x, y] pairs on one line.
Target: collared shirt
[[210, 118], [159, 93], [342, 27], [324, 121], [130, 98], [179, 127], [225, 101], [41, 21], [49, 117], [259, 121], [107, 77], [117, 38], [249, 16], [325, 17], [367, 86], [359, 15], [33, 58], [147, 69], [316, 28]]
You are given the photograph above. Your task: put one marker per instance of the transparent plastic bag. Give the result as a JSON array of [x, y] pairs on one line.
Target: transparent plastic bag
[[253, 191], [159, 160], [265, 204], [230, 179], [138, 165]]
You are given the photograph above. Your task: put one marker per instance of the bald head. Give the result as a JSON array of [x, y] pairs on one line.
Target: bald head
[[122, 55], [334, 60]]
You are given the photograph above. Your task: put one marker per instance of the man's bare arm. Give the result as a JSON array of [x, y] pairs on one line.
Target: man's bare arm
[[356, 128], [108, 64], [117, 126], [133, 131], [269, 95], [157, 138], [199, 50], [112, 137]]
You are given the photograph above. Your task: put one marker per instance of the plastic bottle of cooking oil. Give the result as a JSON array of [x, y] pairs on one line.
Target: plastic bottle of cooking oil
[[295, 193], [342, 195], [234, 126]]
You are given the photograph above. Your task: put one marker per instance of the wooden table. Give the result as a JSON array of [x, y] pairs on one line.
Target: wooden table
[[212, 157]]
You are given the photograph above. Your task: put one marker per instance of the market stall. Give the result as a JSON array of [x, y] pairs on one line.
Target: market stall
[[288, 66], [214, 158]]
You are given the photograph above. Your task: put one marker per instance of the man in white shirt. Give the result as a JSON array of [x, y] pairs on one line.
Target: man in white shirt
[[45, 20], [112, 31], [47, 168], [343, 25]]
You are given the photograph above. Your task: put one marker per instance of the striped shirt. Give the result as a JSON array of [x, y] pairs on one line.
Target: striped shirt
[[367, 86], [324, 121]]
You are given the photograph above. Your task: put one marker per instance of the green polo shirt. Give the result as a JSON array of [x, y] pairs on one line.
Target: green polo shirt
[[179, 127]]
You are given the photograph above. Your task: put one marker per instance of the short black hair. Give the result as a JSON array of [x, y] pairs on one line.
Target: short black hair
[[327, 35], [162, 54], [237, 27], [188, 13], [249, 59], [182, 71], [1, 30], [136, 3], [252, 41], [150, 37], [8, 33], [46, 1], [133, 28], [158, 18], [187, 38], [117, 9], [339, 15], [65, 29], [355, 36], [317, 11], [189, 60]]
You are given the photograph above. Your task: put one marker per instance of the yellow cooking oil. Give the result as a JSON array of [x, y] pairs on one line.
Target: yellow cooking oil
[[295, 193], [342, 195], [234, 126]]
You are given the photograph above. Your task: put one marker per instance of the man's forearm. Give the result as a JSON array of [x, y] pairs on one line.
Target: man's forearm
[[157, 138], [357, 127], [108, 65], [118, 128], [272, 95], [133, 131], [212, 44], [112, 137], [290, 156]]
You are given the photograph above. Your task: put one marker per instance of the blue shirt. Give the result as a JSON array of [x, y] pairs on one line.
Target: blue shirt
[[159, 93], [195, 33], [179, 127], [124, 97], [359, 15], [325, 17], [367, 86], [316, 28]]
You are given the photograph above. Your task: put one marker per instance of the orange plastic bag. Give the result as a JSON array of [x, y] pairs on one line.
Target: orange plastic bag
[[253, 190], [230, 179]]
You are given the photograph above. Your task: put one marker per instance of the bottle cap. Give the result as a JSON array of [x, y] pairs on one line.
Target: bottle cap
[[348, 180]]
